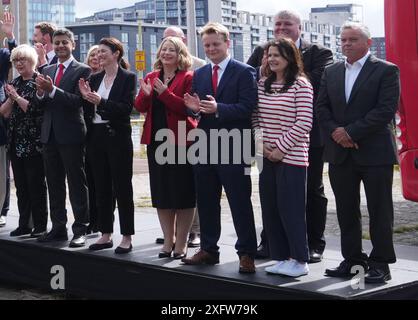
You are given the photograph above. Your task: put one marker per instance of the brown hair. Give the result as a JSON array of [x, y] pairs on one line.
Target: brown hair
[[115, 45], [46, 28], [294, 69], [184, 61]]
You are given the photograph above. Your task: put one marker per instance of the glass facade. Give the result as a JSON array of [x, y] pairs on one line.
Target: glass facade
[[59, 12]]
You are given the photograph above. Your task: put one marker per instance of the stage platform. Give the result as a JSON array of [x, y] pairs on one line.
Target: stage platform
[[142, 275]]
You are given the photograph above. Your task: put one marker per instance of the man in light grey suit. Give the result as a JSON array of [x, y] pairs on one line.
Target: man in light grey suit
[[357, 102], [63, 134]]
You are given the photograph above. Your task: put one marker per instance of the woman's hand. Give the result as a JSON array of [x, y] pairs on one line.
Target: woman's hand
[[11, 91], [146, 87], [276, 155], [93, 97], [159, 86]]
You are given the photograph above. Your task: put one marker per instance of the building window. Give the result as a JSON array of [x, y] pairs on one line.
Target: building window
[[86, 41], [154, 48], [125, 41]]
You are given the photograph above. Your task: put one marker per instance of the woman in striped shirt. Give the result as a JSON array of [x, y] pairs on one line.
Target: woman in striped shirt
[[281, 124]]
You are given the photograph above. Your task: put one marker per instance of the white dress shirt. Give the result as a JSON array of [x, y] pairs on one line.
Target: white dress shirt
[[104, 93], [352, 72], [222, 66]]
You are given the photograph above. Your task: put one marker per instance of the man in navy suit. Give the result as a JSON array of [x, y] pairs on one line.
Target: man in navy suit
[[225, 94]]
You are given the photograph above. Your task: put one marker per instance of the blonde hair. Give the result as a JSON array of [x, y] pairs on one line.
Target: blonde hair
[[25, 51], [215, 27], [184, 61], [92, 48]]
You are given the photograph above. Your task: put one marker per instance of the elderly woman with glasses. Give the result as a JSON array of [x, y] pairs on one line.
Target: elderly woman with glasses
[[24, 146]]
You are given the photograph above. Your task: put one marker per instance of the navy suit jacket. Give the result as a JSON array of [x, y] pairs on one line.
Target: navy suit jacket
[[236, 97]]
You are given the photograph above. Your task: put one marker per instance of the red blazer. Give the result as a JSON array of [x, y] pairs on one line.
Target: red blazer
[[173, 100]]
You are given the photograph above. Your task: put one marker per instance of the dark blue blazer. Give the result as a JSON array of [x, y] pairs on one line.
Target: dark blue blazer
[[236, 96]]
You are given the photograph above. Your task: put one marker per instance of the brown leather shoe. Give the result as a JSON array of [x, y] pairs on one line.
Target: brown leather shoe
[[201, 257], [246, 264]]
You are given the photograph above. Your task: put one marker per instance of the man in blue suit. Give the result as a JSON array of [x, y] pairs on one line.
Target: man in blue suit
[[225, 94]]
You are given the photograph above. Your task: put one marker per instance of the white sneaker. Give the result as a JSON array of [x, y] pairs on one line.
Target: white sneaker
[[2, 221], [275, 269], [294, 269]]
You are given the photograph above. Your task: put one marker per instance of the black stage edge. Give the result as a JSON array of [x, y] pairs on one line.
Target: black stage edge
[[141, 275]]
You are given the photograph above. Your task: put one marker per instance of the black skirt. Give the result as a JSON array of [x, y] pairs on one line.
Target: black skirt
[[172, 185]]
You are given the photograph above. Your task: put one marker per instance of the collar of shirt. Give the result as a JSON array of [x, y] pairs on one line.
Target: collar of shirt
[[50, 55], [222, 65], [66, 63], [360, 62]]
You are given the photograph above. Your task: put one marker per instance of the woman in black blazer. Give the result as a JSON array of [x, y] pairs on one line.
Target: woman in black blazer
[[109, 97]]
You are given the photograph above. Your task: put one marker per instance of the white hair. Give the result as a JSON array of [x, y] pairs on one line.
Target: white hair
[[289, 14], [357, 26], [27, 52]]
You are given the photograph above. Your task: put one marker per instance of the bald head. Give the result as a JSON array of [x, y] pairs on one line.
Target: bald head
[[174, 32]]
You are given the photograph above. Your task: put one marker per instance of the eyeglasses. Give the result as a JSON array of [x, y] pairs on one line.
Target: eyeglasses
[[21, 60]]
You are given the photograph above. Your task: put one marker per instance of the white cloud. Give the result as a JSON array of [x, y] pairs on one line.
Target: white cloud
[[373, 9]]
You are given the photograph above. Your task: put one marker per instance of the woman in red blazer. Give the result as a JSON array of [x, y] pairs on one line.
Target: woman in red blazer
[[172, 182]]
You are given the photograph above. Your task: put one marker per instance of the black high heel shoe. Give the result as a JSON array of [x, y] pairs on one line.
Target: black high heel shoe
[[180, 255], [164, 254]]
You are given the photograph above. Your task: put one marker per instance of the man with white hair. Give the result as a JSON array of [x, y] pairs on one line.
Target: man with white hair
[[357, 102], [315, 59]]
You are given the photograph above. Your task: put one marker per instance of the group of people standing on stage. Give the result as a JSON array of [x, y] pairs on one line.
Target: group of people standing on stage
[[301, 108]]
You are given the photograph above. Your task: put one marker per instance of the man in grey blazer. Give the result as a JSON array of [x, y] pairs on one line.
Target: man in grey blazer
[[357, 102], [63, 135]]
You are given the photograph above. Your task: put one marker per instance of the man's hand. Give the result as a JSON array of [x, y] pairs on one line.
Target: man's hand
[[267, 150], [7, 25], [192, 102], [208, 106], [44, 84], [41, 51], [276, 155], [159, 86], [341, 137], [84, 87]]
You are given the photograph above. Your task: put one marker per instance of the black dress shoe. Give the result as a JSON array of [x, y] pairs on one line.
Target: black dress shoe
[[343, 270], [194, 240], [377, 275], [262, 252], [101, 246], [179, 256], [37, 232], [159, 241], [78, 241], [315, 256], [120, 250], [20, 231], [54, 235]]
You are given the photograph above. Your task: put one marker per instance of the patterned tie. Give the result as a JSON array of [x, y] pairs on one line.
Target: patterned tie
[[59, 75], [215, 79]]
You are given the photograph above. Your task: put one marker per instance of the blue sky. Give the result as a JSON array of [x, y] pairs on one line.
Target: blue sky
[[373, 9]]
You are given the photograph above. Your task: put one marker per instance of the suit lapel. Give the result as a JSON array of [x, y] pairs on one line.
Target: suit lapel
[[177, 80], [365, 73], [227, 74], [340, 80]]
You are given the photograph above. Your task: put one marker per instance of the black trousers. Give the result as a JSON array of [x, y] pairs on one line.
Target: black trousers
[[30, 185], [283, 202], [316, 204], [67, 161], [345, 181], [6, 203], [111, 159], [209, 182]]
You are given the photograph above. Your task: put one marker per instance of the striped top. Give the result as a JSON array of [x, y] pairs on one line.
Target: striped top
[[284, 120]]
